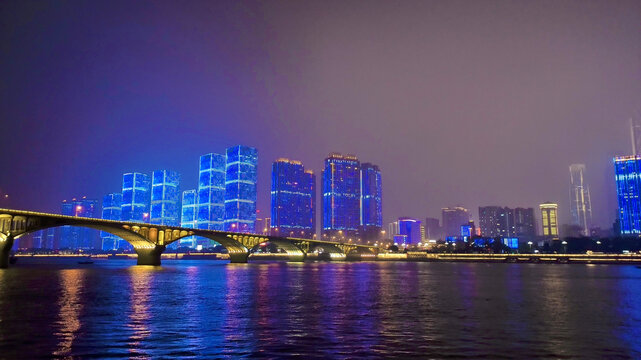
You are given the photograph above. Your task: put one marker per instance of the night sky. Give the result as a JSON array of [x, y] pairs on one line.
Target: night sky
[[470, 102]]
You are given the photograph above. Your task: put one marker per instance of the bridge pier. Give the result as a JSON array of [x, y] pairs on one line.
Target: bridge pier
[[5, 250], [238, 257], [150, 256]]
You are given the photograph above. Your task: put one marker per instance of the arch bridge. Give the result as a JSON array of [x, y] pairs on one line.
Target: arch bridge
[[149, 240]]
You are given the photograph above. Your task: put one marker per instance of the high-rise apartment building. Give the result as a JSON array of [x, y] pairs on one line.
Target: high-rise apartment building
[[549, 220], [210, 206], [165, 198], [453, 218], [496, 221], [371, 202], [44, 239], [73, 237], [293, 195], [627, 171], [135, 197], [341, 196], [111, 210], [240, 189], [580, 204]]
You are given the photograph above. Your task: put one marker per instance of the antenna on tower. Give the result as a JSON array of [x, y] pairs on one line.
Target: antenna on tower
[[635, 131]]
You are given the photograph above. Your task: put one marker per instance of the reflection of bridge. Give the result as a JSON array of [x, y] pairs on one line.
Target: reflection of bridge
[[149, 241]]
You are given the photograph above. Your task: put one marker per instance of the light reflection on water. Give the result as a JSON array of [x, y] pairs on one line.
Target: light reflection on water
[[319, 310]]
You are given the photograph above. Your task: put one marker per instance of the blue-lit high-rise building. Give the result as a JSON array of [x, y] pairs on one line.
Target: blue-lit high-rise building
[[371, 202], [44, 239], [293, 200], [411, 229], [341, 197], [165, 198], [111, 210], [628, 180], [240, 189], [73, 237], [210, 209], [135, 197], [188, 216]]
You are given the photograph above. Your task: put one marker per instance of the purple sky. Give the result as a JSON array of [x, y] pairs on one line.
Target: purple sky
[[470, 102]]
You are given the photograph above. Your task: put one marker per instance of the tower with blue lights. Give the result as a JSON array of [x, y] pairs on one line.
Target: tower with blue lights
[[165, 198], [371, 218], [293, 198], [111, 210], [240, 189], [135, 197], [627, 171], [341, 197], [188, 216], [72, 237], [210, 206]]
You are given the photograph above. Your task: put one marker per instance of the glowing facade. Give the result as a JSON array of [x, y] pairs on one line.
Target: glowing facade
[[188, 216], [549, 220], [165, 198], [135, 197], [111, 210], [72, 237], [410, 229], [210, 214], [628, 181], [240, 189], [580, 204], [341, 196], [371, 218], [293, 205]]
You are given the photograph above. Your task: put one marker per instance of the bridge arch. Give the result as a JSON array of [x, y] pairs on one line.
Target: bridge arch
[[327, 251], [237, 251], [293, 252]]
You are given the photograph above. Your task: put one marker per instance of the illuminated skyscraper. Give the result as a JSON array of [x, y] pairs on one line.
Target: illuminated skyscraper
[[240, 189], [135, 197], [341, 196], [496, 221], [210, 214], [165, 198], [371, 202], [580, 204], [44, 239], [453, 218], [549, 222], [73, 237], [111, 210], [628, 180], [411, 229], [293, 200], [188, 216]]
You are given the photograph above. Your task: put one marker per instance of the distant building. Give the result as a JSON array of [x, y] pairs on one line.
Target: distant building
[[453, 218], [165, 198], [524, 223], [496, 221], [549, 220], [628, 181], [135, 197], [240, 189], [263, 226], [73, 237], [188, 217], [293, 195], [44, 239], [411, 229], [210, 202], [111, 210], [371, 202], [580, 204], [341, 196], [432, 229], [393, 229]]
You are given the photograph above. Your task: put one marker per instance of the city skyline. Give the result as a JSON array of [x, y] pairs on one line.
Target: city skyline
[[389, 107]]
